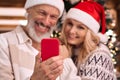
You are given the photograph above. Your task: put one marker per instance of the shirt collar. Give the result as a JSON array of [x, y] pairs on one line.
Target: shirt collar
[[22, 36]]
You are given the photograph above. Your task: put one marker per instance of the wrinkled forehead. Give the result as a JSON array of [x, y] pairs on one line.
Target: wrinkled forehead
[[45, 7]]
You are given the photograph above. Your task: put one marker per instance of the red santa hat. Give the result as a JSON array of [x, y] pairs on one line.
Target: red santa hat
[[92, 15], [59, 4]]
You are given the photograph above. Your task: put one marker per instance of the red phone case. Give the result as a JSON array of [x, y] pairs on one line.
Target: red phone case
[[49, 48]]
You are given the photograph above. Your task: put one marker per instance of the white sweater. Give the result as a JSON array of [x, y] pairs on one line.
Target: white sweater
[[69, 71]]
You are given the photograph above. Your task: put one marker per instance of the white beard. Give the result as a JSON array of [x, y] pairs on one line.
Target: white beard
[[33, 35]]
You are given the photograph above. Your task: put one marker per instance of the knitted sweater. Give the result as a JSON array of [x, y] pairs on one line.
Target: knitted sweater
[[97, 66]]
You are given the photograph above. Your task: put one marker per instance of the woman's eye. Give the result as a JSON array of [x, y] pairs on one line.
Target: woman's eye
[[69, 24], [80, 27]]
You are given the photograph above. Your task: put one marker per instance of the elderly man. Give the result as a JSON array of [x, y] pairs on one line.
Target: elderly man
[[19, 58], [20, 50]]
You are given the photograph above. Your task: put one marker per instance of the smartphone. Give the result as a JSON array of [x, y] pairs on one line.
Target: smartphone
[[49, 48]]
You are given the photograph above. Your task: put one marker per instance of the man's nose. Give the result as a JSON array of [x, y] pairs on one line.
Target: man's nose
[[47, 21]]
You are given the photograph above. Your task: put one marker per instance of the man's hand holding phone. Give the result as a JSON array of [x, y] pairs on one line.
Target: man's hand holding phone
[[51, 65], [49, 69]]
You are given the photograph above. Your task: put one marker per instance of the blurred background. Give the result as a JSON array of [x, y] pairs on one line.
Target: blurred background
[[12, 13]]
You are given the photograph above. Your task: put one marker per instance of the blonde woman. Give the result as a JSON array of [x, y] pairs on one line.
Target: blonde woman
[[85, 42]]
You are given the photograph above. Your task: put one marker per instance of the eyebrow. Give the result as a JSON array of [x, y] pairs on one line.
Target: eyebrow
[[56, 15]]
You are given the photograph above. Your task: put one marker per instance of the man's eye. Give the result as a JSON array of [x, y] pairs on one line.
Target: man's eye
[[54, 17], [41, 13]]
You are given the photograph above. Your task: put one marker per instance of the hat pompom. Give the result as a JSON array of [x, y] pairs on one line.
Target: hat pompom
[[103, 37]]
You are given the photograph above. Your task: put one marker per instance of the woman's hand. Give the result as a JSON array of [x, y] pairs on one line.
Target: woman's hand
[[49, 69], [64, 51]]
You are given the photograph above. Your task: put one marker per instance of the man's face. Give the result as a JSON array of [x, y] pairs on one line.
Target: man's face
[[41, 21]]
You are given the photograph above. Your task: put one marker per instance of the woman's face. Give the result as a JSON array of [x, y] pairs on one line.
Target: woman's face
[[75, 32]]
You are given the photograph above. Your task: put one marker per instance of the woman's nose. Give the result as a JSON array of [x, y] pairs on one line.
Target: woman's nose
[[73, 30]]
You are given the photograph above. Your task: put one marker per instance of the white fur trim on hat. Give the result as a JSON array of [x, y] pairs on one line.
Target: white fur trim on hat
[[85, 18], [56, 3], [103, 37]]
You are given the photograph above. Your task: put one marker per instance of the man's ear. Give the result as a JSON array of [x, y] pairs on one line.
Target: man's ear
[[28, 11], [26, 15]]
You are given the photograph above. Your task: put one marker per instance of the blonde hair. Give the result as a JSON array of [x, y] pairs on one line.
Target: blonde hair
[[90, 43]]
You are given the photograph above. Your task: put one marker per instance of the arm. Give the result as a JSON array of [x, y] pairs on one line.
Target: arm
[[5, 63], [69, 71]]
